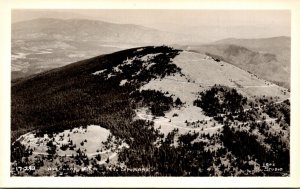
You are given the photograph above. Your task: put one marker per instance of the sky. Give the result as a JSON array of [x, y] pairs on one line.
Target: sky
[[209, 25]]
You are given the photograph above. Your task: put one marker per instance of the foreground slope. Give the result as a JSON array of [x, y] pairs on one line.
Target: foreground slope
[[149, 111]]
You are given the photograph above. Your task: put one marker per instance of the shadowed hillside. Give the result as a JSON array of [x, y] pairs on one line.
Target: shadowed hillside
[[72, 95]]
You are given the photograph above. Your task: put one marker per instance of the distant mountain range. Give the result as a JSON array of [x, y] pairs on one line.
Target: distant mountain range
[[46, 43], [268, 58], [92, 30]]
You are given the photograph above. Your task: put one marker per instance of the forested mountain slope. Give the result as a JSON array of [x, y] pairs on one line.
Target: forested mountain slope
[[152, 111]]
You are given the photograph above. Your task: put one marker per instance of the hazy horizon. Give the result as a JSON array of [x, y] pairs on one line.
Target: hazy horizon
[[204, 25]]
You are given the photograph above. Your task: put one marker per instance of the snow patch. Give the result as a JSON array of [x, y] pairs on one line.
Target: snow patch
[[117, 69], [149, 56], [99, 72], [150, 65], [123, 82], [140, 49], [110, 75], [128, 61]]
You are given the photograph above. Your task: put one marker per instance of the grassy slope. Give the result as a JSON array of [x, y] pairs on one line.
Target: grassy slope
[[201, 73]]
